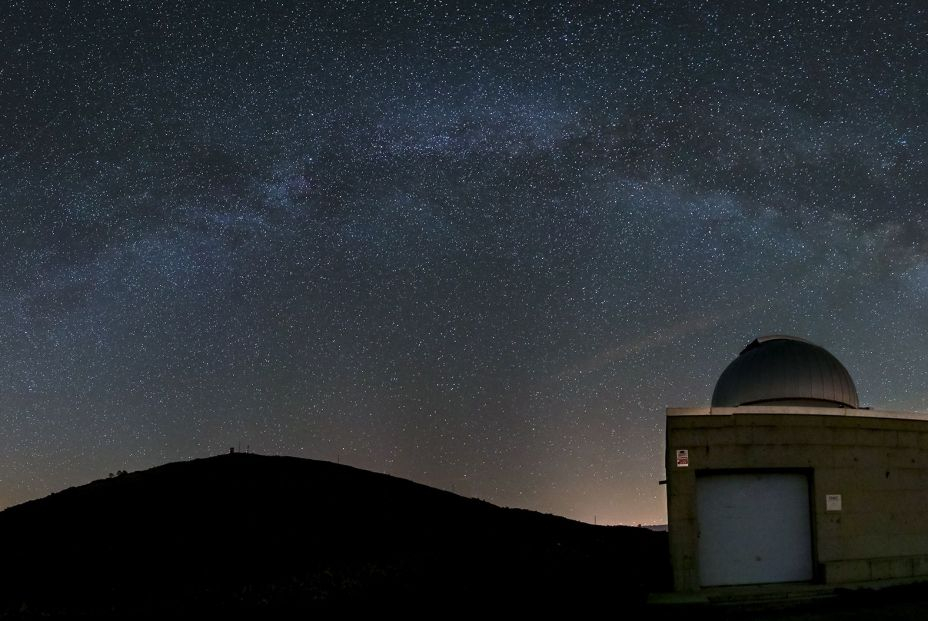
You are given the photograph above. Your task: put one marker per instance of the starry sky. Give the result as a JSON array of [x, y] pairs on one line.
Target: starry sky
[[477, 246]]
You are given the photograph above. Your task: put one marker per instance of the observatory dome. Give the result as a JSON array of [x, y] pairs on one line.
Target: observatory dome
[[785, 370]]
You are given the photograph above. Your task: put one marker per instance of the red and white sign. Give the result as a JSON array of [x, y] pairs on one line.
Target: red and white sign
[[683, 458]]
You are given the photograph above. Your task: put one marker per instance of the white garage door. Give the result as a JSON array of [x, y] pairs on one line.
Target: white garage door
[[753, 528]]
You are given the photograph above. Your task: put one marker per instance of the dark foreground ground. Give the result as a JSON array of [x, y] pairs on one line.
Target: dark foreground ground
[[902, 603], [250, 536]]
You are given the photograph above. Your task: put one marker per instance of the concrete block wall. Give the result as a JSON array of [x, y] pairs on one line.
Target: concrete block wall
[[877, 463]]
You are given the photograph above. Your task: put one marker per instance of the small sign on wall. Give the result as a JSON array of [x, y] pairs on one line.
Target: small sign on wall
[[683, 458], [832, 502]]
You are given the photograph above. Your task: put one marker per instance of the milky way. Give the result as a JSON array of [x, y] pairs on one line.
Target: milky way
[[481, 248]]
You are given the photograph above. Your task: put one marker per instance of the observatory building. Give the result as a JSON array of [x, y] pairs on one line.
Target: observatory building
[[785, 478]]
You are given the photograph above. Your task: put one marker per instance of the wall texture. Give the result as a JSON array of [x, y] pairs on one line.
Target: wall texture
[[876, 461]]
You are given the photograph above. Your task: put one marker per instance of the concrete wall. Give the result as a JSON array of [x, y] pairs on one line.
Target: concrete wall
[[876, 461]]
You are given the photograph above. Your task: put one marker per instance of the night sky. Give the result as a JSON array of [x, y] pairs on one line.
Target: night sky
[[480, 248]]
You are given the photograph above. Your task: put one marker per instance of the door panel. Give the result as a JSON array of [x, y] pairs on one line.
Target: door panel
[[753, 528]]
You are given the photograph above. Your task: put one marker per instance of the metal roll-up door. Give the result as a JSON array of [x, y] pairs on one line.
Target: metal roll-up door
[[754, 528]]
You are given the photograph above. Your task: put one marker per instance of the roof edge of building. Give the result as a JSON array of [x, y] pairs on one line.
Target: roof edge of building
[[792, 409]]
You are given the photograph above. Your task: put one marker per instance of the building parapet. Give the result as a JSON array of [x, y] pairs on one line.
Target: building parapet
[[781, 409]]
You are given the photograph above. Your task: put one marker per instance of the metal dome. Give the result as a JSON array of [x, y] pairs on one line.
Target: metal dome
[[785, 370]]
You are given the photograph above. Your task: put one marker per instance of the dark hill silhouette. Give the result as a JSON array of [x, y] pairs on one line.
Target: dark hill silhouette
[[249, 535]]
